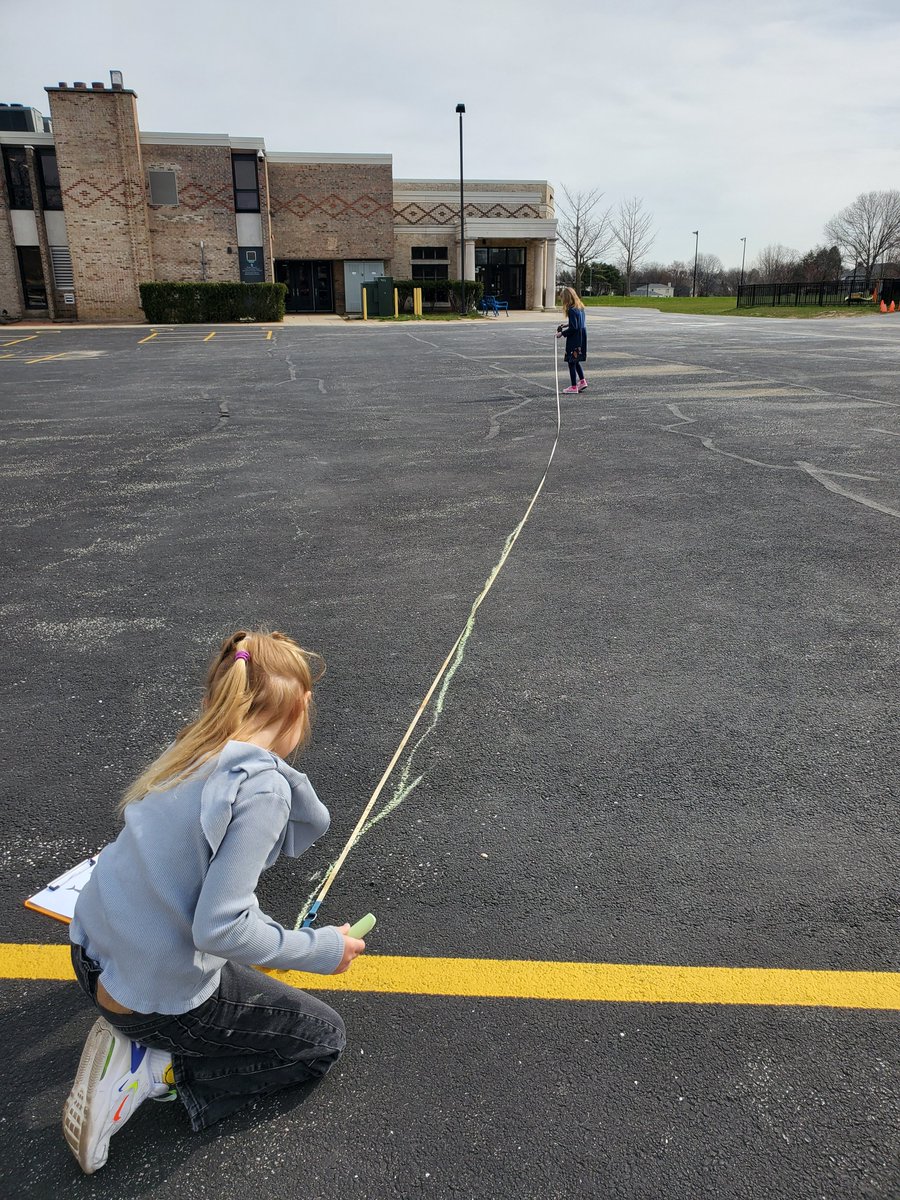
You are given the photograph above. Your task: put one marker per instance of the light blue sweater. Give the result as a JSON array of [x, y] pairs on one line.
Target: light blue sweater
[[173, 897]]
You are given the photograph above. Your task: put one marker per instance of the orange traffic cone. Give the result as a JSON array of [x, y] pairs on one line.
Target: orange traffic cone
[[893, 307], [883, 306]]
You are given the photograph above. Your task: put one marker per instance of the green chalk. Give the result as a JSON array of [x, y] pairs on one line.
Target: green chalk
[[363, 926]]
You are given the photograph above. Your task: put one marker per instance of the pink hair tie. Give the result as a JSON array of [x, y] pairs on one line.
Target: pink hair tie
[[244, 654]]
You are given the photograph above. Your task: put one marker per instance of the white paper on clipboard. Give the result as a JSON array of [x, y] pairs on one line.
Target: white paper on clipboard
[[58, 898]]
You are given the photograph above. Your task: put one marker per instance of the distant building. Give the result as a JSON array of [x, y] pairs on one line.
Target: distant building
[[91, 206], [662, 291]]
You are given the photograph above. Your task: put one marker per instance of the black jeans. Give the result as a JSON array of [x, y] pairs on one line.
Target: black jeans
[[575, 371], [253, 1036]]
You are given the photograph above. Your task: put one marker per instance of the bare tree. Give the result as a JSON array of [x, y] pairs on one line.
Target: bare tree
[[679, 275], [776, 263], [583, 231], [709, 275], [868, 229], [633, 230]]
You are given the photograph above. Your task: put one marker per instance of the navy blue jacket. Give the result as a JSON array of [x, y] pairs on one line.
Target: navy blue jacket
[[576, 336]]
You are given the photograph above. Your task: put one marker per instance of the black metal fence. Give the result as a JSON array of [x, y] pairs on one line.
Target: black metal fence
[[834, 291]]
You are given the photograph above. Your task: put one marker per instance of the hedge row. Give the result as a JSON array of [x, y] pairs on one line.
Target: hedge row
[[193, 303], [439, 291]]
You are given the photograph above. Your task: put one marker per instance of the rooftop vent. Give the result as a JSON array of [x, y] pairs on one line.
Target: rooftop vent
[[98, 87], [62, 83], [116, 81], [80, 85]]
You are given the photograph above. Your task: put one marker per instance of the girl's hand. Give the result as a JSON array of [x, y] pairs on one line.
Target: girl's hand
[[352, 947]]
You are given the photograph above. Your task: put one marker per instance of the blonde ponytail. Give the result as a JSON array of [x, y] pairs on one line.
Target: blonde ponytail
[[257, 679]]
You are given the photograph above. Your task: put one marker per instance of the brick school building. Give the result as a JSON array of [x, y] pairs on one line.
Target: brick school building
[[91, 206]]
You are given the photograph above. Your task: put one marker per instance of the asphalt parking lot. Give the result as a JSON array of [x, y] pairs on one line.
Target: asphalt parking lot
[[670, 740]]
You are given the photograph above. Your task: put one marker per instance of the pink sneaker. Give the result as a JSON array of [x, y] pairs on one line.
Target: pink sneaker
[[582, 384], [570, 391]]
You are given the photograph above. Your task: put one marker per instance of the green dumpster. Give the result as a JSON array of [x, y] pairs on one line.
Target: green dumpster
[[379, 296], [384, 288]]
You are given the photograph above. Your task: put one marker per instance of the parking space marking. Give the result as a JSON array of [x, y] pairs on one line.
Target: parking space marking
[[43, 358], [537, 980], [191, 333], [16, 341]]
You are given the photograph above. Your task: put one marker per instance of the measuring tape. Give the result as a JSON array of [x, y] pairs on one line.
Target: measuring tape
[[309, 914]]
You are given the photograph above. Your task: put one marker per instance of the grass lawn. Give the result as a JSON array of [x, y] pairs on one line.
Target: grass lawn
[[725, 306]]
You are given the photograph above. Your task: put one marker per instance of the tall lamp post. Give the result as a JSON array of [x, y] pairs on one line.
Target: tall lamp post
[[696, 233], [461, 108], [743, 257]]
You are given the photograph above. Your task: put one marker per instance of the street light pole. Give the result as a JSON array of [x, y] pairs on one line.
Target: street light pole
[[696, 233], [461, 108], [743, 257]]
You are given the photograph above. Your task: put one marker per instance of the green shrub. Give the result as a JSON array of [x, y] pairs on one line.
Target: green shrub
[[195, 303], [474, 292], [438, 291]]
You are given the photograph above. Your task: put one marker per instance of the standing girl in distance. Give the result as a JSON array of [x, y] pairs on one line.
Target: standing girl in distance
[[575, 333], [168, 926]]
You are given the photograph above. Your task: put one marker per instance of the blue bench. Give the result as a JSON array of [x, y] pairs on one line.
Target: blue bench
[[492, 304]]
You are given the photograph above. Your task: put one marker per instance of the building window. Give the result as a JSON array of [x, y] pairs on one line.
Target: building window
[[429, 273], [495, 256], [246, 182], [163, 188], [51, 194], [32, 273], [18, 184], [430, 253]]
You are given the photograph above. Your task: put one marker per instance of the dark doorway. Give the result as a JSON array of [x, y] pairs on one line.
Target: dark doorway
[[502, 271], [308, 283], [32, 274]]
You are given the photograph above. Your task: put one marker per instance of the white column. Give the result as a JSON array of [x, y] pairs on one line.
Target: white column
[[470, 259], [550, 281], [537, 291]]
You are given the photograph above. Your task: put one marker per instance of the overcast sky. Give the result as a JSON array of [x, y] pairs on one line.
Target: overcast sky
[[760, 118]]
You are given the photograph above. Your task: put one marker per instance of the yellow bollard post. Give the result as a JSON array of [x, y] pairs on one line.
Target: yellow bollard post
[[365, 306], [396, 302]]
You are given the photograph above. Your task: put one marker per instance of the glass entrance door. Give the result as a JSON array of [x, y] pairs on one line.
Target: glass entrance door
[[502, 271], [308, 283]]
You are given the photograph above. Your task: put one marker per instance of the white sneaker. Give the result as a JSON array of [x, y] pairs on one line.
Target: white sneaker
[[114, 1078]]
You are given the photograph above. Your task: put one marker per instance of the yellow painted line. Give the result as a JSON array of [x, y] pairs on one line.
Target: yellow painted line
[[45, 358], [531, 980], [148, 338], [7, 356], [269, 336], [16, 341], [211, 336]]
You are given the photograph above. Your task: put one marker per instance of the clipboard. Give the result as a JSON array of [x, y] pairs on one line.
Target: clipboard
[[58, 898]]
